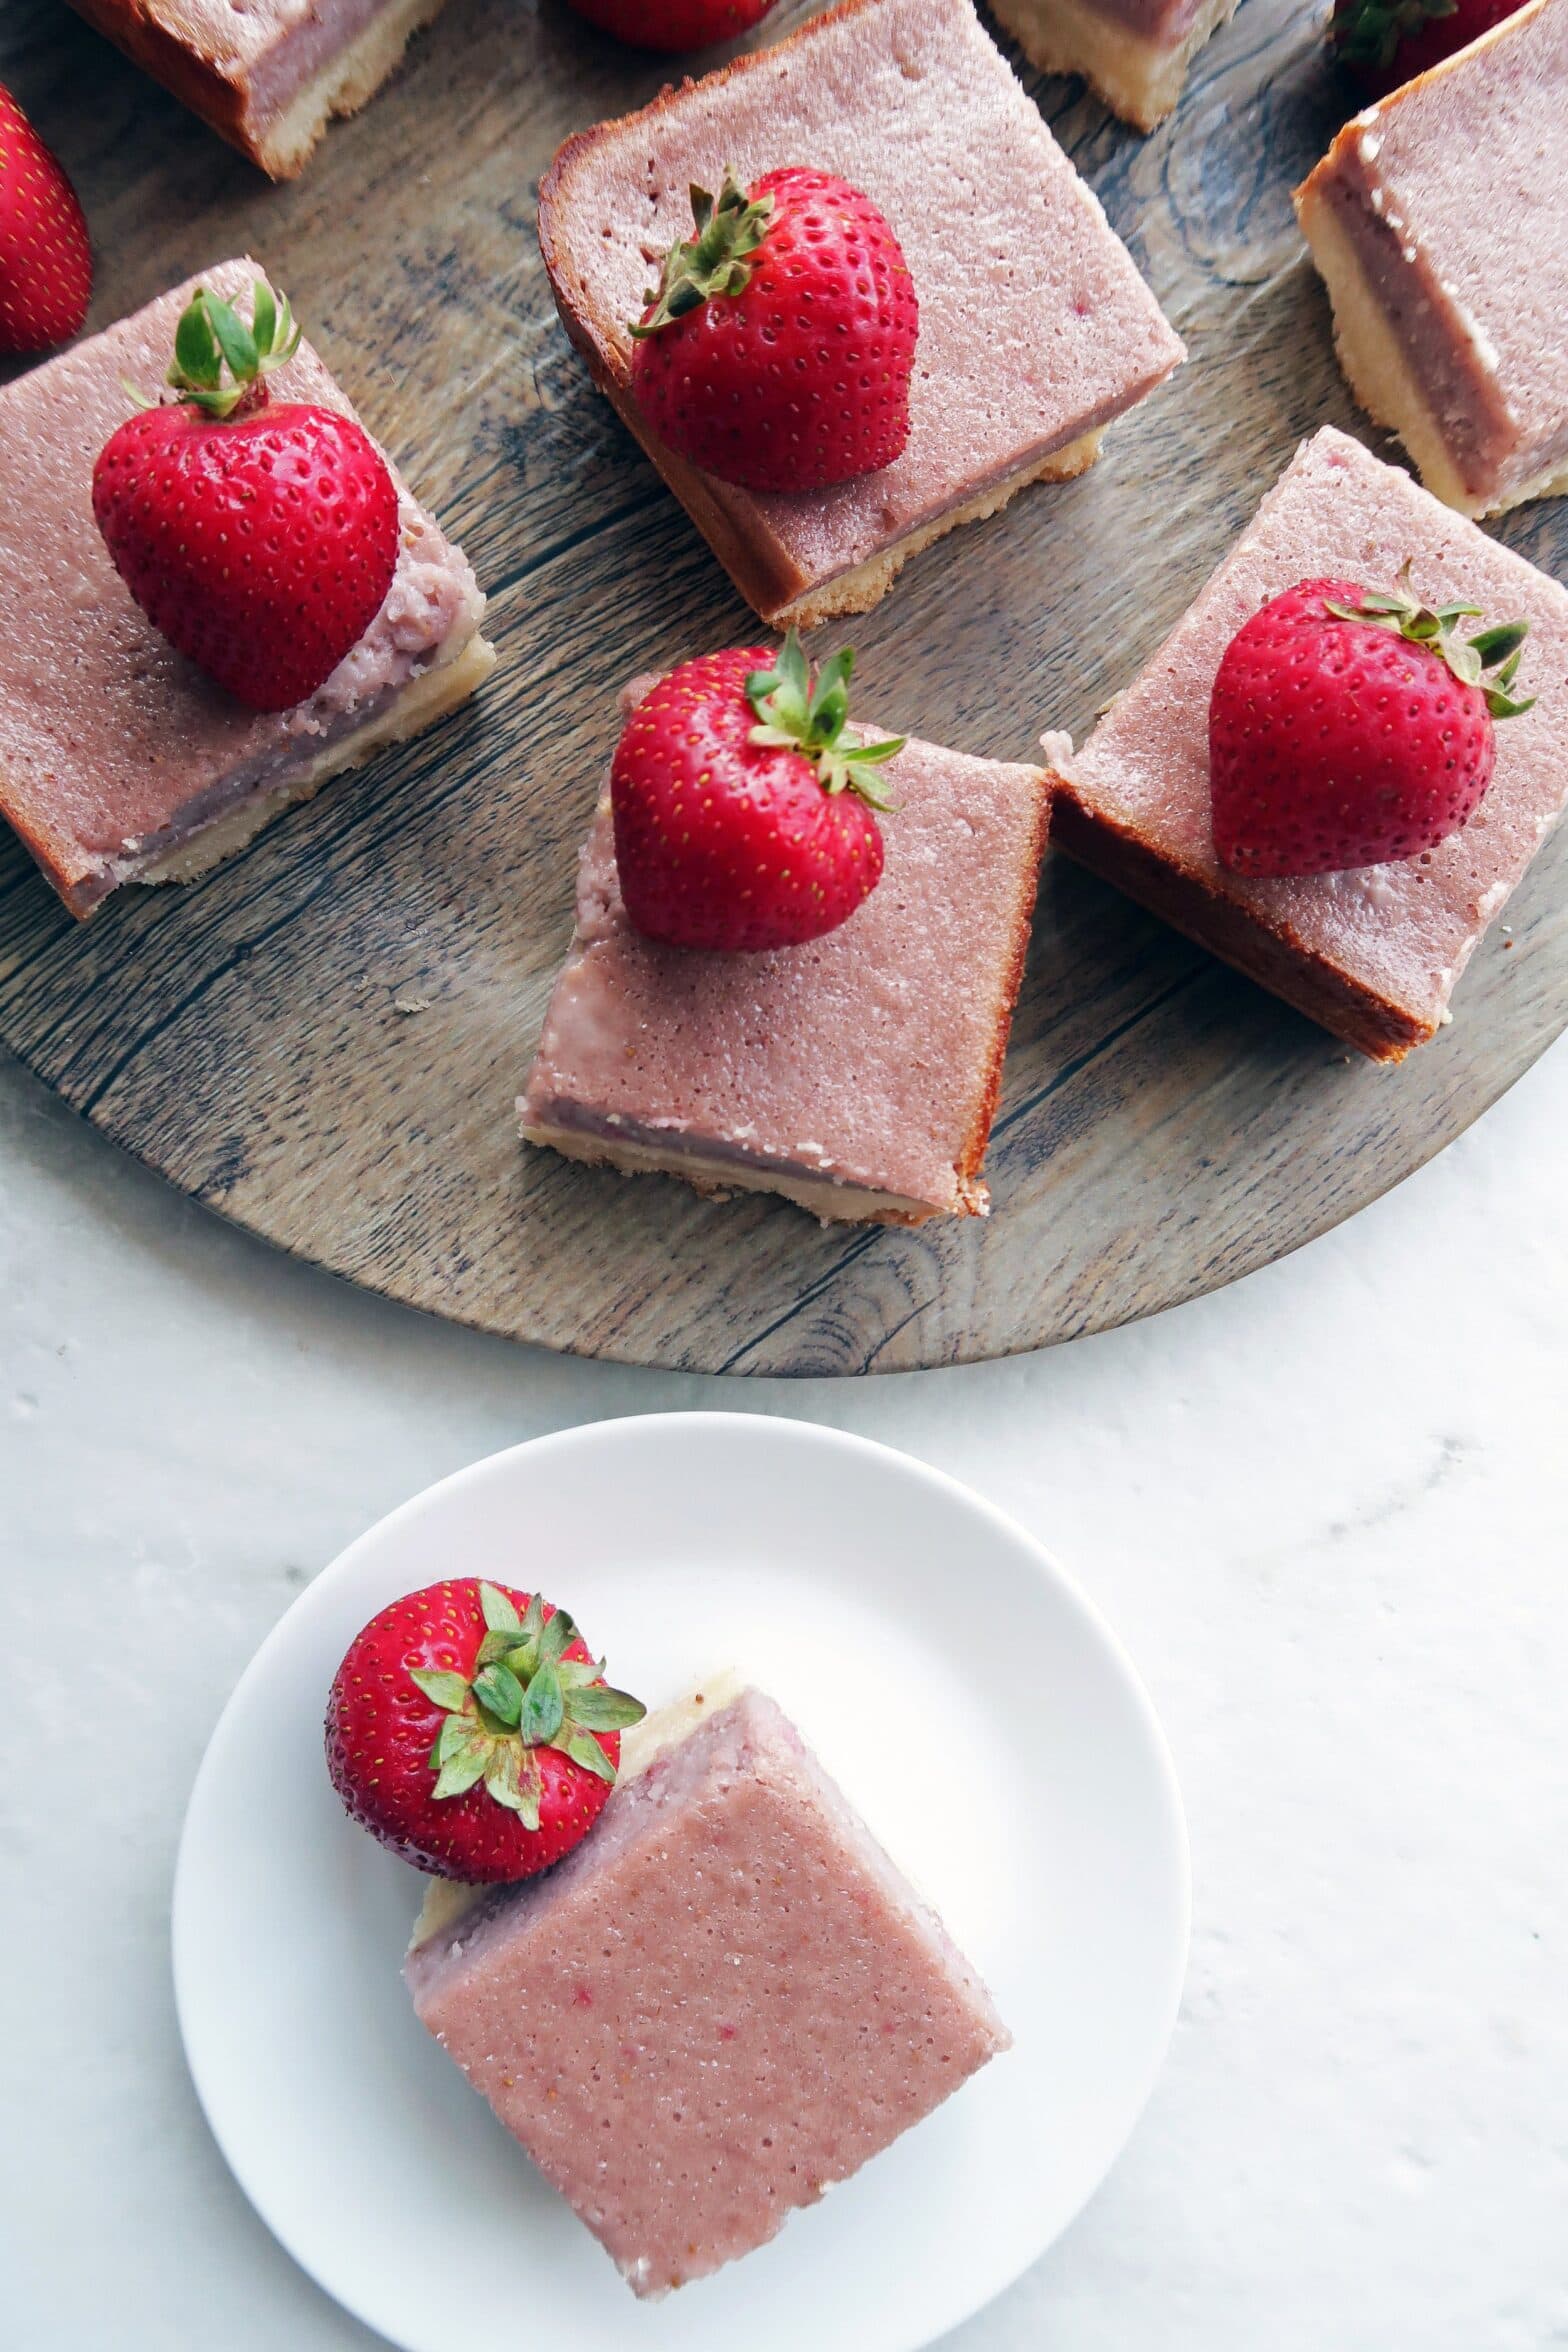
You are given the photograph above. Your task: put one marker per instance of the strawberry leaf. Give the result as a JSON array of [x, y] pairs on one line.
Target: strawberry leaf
[[828, 710], [523, 1656], [234, 340], [512, 1778], [500, 1694], [263, 317], [447, 1690], [604, 1709], [197, 360], [455, 1734], [1502, 644], [556, 1639], [543, 1707], [574, 1672], [460, 1773], [781, 697], [584, 1750], [500, 1614]]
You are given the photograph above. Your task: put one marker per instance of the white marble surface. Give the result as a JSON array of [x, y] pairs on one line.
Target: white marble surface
[[1326, 1510]]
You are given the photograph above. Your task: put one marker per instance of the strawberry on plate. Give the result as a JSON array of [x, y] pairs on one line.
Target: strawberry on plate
[[259, 537], [46, 262], [672, 25], [777, 350], [1352, 725], [1382, 43], [471, 1730], [743, 811]]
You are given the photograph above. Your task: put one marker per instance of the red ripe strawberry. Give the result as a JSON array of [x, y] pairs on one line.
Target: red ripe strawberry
[[260, 540], [671, 25], [46, 262], [1382, 43], [470, 1730], [743, 819], [1351, 725], [778, 349]]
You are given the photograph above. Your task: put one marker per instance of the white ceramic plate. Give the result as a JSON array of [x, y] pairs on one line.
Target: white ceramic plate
[[1038, 1811]]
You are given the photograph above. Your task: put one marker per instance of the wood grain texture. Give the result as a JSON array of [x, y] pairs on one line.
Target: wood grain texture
[[1164, 1127]]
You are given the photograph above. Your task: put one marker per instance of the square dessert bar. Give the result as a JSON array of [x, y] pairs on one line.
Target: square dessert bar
[[725, 2000], [1134, 54], [1035, 327], [1373, 954], [267, 75], [856, 1074], [119, 761], [1437, 222]]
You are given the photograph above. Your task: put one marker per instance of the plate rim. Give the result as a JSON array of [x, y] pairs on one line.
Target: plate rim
[[788, 1429]]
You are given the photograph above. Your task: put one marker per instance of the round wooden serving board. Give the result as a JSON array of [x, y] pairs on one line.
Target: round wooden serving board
[[323, 1040]]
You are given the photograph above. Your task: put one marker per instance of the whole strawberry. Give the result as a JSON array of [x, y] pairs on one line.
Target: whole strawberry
[[672, 25], [470, 1730], [1349, 726], [259, 538], [1382, 43], [778, 349], [743, 817], [46, 262]]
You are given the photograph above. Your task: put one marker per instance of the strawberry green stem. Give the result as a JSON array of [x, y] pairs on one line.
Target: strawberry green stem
[[1499, 649], [1372, 32], [525, 1694], [717, 261], [211, 335], [795, 715]]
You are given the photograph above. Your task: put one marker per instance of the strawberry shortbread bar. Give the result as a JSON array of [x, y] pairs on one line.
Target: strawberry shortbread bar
[[723, 2002], [855, 1073], [268, 75], [1035, 329], [119, 760], [1436, 220], [1372, 952]]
